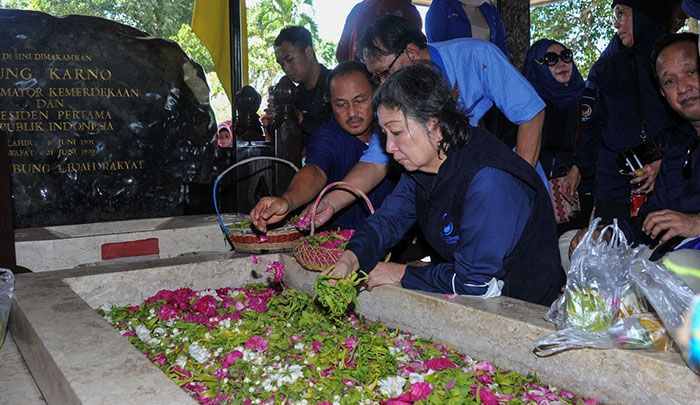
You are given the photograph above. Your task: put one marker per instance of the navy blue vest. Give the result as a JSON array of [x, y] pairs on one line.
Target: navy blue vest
[[533, 270]]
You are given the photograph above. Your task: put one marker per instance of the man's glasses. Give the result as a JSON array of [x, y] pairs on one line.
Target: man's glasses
[[689, 158], [379, 77], [552, 58]]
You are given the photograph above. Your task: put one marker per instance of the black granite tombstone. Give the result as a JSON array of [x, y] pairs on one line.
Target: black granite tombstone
[[103, 121]]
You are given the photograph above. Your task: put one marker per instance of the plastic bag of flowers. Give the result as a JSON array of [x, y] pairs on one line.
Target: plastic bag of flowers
[[670, 297], [7, 287], [600, 307]]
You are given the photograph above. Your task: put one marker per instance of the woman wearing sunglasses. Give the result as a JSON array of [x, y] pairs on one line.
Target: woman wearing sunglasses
[[549, 66]]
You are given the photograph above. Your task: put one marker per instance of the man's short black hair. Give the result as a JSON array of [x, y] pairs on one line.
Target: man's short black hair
[[347, 68], [392, 33], [295, 35], [668, 40]]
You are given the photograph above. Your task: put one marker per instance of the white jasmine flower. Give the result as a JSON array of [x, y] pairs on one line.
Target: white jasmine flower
[[199, 353], [225, 323], [181, 361], [106, 307], [295, 372], [210, 292], [159, 331], [108, 319], [170, 322], [176, 332], [152, 311], [393, 350], [143, 333], [185, 339], [299, 346], [392, 386], [415, 378], [246, 380]]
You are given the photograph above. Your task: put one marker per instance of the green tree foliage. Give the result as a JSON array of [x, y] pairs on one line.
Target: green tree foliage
[[585, 26], [265, 19]]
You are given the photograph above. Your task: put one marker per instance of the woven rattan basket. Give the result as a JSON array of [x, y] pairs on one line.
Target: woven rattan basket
[[319, 258], [275, 240], [242, 238]]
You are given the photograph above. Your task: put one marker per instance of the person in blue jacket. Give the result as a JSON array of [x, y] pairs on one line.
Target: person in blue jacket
[[482, 209], [479, 75], [550, 67], [628, 111], [449, 19], [673, 207]]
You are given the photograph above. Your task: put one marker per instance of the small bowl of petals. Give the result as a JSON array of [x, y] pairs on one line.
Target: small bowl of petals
[[245, 238]]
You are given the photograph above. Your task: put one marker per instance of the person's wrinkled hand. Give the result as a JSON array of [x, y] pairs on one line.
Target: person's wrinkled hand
[[672, 223], [324, 212], [343, 267], [646, 178], [386, 274], [269, 210], [571, 182]]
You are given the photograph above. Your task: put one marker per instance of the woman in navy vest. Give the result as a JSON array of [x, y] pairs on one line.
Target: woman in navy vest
[[482, 209], [550, 67]]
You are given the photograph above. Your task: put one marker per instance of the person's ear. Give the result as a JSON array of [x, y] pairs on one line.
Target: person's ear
[[412, 51], [309, 52], [434, 128]]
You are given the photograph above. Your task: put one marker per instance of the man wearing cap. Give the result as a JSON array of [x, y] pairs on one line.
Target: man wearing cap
[[628, 112]]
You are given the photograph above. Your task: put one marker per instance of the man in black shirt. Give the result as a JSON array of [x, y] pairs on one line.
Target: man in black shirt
[[295, 54]]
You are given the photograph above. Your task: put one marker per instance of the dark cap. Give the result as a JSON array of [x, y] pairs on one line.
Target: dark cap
[[658, 10]]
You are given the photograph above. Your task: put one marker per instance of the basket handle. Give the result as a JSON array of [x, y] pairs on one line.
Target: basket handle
[[233, 166], [351, 187]]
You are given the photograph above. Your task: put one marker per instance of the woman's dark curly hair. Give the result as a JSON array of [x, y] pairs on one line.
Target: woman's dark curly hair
[[421, 92]]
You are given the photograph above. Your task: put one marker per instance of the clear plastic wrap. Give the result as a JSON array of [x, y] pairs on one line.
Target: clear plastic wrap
[[600, 308], [7, 288], [667, 294]]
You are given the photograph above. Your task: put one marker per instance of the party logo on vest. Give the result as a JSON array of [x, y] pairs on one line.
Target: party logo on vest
[[447, 230]]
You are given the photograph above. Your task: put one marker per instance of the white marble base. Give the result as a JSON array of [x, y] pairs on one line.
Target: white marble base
[[61, 247], [76, 357]]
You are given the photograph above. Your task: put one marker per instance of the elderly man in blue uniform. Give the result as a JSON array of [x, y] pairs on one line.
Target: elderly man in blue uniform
[[332, 151], [479, 74]]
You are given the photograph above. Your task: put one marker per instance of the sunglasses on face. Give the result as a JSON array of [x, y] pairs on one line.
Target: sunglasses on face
[[552, 58], [687, 167], [379, 77]]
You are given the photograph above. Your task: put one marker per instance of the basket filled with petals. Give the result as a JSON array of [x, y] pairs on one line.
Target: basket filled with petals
[[245, 239], [319, 251]]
